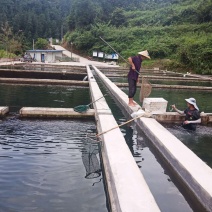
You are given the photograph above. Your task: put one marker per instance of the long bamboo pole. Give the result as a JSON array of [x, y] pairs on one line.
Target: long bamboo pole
[[119, 125]]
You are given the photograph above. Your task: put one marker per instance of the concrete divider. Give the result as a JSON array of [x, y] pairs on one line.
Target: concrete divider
[[126, 186], [174, 117], [170, 86], [41, 112], [189, 169], [163, 78], [43, 82]]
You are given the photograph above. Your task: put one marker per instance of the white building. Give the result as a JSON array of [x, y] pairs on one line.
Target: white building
[[50, 56]]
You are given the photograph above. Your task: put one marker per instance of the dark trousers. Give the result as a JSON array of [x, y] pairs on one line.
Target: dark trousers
[[132, 87], [189, 126]]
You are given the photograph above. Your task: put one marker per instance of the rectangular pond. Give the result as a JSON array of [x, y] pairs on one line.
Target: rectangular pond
[[48, 165]]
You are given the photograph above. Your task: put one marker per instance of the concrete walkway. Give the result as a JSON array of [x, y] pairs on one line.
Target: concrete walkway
[[83, 61], [126, 186]]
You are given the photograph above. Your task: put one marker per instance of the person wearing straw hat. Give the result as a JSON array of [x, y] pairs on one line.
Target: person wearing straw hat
[[192, 114], [135, 66]]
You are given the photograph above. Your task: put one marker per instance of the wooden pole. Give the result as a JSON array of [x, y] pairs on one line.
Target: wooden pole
[[119, 125]]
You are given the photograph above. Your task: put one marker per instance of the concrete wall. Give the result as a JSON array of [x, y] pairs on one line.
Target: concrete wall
[[194, 174], [48, 56], [126, 186]]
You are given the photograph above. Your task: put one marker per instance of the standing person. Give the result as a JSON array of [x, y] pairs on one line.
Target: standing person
[[135, 66], [192, 114]]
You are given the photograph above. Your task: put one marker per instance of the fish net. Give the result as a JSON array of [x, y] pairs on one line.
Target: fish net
[[89, 158], [81, 108], [146, 89]]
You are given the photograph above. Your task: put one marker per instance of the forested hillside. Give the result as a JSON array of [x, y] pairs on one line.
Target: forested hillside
[[177, 33], [36, 18]]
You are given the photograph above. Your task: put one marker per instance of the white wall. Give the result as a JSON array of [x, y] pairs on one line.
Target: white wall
[[49, 56]]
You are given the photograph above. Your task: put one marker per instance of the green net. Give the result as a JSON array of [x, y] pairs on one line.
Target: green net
[[81, 108]]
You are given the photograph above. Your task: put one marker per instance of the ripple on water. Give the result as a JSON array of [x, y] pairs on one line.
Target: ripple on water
[[41, 167], [200, 141]]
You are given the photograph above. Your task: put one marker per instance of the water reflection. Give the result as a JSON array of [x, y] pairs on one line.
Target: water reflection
[[164, 191]]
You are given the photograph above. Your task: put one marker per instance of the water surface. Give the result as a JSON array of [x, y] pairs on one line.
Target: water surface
[[17, 96], [48, 165]]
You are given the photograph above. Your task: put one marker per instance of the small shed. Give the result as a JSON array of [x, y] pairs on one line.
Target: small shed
[[50, 56]]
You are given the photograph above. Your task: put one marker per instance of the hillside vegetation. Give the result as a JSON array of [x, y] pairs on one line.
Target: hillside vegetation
[[177, 33]]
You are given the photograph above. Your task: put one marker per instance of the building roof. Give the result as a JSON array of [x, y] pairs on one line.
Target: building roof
[[44, 50]]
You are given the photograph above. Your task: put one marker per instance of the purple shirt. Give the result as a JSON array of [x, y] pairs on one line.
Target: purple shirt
[[137, 62]]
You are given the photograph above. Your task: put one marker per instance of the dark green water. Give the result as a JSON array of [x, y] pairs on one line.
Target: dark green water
[[177, 97], [46, 165], [16, 96]]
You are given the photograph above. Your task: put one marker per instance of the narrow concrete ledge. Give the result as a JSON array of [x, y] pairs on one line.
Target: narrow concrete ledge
[[174, 117], [4, 111], [43, 82], [126, 186], [62, 71], [193, 173], [169, 86], [162, 78], [40, 112]]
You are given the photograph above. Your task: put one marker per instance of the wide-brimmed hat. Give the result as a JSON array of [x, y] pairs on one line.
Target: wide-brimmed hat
[[192, 101], [145, 54]]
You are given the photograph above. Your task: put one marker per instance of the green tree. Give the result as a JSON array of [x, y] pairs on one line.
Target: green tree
[[41, 43], [83, 13], [118, 18]]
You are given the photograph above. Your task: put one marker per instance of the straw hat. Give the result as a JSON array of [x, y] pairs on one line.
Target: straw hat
[[192, 101], [145, 54]]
